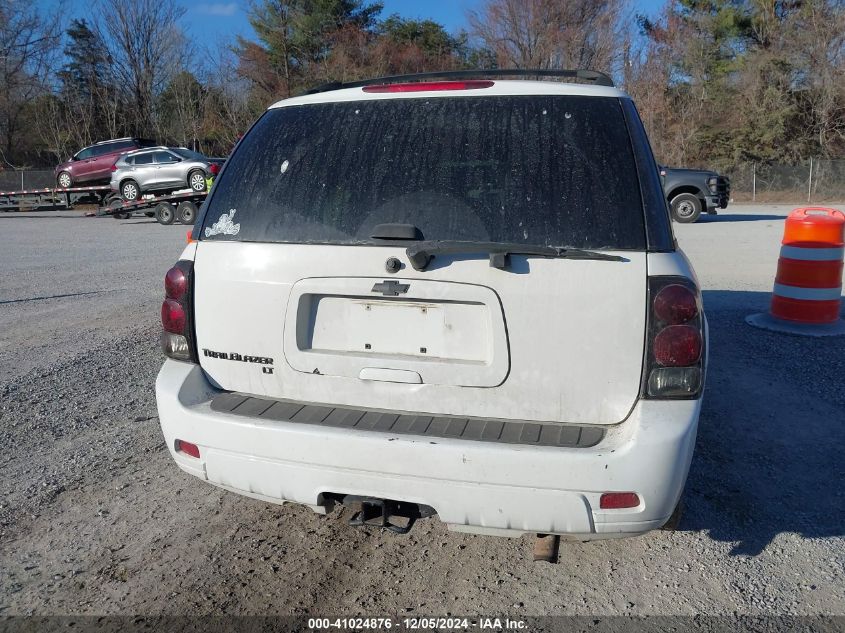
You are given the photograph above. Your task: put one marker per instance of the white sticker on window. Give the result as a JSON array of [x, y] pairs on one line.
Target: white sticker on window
[[224, 226]]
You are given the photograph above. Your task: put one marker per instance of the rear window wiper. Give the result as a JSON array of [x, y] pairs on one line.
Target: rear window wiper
[[421, 253]]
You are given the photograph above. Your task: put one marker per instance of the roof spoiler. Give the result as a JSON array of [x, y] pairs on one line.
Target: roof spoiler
[[592, 76]]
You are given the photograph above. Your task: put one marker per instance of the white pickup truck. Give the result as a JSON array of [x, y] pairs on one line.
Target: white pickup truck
[[455, 296]]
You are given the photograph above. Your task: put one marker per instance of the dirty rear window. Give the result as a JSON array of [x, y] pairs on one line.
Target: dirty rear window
[[547, 170]]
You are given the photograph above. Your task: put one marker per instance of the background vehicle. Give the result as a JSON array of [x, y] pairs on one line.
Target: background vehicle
[[93, 164], [417, 297], [161, 169], [691, 192], [181, 206]]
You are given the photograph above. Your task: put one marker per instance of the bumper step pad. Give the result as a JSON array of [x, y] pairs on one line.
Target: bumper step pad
[[480, 430]]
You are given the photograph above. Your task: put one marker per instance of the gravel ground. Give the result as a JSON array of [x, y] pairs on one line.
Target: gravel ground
[[96, 519]]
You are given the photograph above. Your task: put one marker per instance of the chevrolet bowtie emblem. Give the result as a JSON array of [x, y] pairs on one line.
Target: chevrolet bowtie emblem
[[391, 288]]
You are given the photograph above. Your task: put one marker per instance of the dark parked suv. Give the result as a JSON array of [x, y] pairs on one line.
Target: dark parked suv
[[92, 164]]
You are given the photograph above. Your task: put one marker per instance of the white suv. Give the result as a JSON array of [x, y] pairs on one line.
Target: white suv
[[458, 297]]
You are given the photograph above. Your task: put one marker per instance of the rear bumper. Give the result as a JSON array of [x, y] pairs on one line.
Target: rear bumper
[[483, 487]]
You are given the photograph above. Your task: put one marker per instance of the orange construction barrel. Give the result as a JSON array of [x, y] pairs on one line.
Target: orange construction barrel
[[808, 286], [815, 225]]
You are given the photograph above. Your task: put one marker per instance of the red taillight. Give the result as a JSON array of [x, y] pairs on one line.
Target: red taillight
[[677, 346], [173, 317], [175, 284], [619, 500], [429, 86], [675, 304], [114, 167], [189, 449], [674, 365], [214, 169], [177, 339]]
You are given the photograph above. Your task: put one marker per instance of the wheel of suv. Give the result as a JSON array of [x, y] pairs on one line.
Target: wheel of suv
[[186, 212], [130, 190], [196, 180], [64, 181], [686, 208], [165, 213]]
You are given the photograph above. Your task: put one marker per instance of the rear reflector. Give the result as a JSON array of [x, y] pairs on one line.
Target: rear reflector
[[429, 86], [618, 500], [189, 449]]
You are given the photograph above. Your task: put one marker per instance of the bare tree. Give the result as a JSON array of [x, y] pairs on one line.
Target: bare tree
[[401, 46], [817, 39], [147, 48], [181, 108], [59, 134], [28, 49], [230, 107], [668, 101], [552, 33]]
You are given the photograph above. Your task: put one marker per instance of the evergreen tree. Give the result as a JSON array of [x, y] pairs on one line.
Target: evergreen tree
[[87, 85], [295, 38]]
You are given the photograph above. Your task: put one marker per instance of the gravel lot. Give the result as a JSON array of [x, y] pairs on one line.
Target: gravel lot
[[96, 519]]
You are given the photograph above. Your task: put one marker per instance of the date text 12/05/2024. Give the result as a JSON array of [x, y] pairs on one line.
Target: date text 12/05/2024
[[416, 623]]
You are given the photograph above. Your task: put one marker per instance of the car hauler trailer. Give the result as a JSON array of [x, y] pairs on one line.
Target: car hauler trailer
[[50, 197], [180, 206]]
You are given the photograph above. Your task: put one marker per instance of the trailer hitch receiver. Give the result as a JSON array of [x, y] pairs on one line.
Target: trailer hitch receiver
[[374, 512]]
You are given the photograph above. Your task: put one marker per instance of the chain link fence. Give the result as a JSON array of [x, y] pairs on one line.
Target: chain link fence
[[813, 180], [810, 181], [17, 180]]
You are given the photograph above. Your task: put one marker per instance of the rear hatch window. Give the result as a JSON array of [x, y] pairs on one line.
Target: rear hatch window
[[547, 170]]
